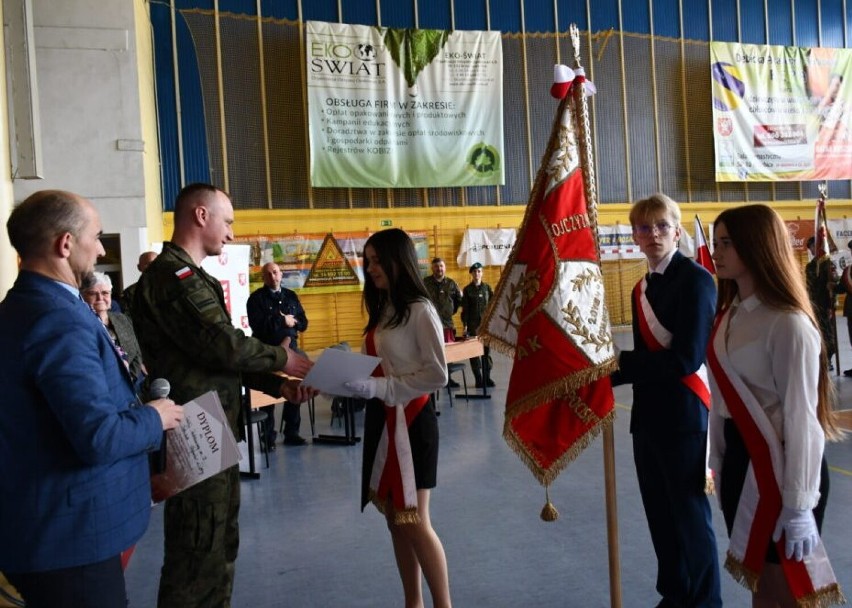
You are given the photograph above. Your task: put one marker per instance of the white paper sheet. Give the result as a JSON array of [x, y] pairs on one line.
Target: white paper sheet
[[335, 367]]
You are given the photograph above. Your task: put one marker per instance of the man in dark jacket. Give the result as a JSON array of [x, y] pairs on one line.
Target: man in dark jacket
[[276, 317]]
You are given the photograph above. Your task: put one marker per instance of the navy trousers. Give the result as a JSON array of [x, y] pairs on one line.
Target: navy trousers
[[671, 473]]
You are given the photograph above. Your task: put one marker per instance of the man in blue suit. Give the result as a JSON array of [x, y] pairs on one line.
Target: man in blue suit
[[74, 438], [673, 309]]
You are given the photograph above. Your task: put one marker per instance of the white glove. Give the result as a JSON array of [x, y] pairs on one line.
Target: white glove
[[365, 388], [800, 527]]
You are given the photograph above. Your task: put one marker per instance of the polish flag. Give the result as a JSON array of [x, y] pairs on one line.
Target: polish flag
[[702, 251]]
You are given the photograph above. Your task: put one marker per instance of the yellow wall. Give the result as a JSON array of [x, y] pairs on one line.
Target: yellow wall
[[338, 316]]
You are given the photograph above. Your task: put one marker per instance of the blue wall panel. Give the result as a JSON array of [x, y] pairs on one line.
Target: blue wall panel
[[636, 17], [780, 22], [807, 30], [280, 9], [539, 16], [667, 18], [832, 23], [695, 23], [363, 13], [725, 20], [436, 16], [470, 19], [166, 115], [398, 14], [572, 11], [604, 15], [789, 22], [505, 15], [753, 23], [240, 7], [196, 157], [322, 10]]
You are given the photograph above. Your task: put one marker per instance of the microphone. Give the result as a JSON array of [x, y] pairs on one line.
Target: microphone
[[160, 389]]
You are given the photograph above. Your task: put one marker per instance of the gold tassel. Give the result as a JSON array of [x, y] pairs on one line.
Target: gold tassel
[[709, 484], [548, 512]]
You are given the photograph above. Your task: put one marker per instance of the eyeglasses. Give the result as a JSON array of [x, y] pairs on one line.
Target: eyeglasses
[[93, 293], [644, 230]]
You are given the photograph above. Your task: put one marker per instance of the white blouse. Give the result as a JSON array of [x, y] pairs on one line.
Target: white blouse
[[412, 355], [776, 354]]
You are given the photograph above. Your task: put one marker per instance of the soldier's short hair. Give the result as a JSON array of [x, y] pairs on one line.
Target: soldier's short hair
[[194, 193], [44, 215]]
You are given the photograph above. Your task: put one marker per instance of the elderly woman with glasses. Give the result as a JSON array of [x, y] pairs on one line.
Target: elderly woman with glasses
[[97, 293]]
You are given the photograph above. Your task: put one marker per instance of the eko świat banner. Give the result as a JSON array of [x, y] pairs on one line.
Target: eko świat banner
[[402, 108], [781, 113]]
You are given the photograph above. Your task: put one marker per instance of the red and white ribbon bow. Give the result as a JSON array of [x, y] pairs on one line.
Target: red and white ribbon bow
[[564, 77]]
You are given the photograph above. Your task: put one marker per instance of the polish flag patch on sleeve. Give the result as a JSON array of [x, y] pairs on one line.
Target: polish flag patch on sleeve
[[184, 272]]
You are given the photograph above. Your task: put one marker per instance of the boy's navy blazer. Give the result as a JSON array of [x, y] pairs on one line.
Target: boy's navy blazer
[[683, 299], [74, 474]]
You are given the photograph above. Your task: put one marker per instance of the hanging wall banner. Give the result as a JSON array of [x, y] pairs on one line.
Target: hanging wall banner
[[403, 108], [488, 246], [781, 113], [320, 262], [616, 243]]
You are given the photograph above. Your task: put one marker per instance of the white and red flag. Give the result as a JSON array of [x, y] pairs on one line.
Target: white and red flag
[[702, 251], [549, 312]]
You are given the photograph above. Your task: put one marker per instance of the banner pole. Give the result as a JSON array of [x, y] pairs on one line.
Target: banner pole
[[585, 144], [611, 518]]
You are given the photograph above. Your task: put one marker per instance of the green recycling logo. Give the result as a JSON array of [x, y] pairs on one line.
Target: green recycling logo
[[483, 160]]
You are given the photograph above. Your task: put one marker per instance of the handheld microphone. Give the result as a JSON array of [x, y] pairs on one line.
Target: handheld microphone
[[160, 389]]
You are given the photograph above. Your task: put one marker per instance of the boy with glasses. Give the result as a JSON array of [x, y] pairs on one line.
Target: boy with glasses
[[673, 309]]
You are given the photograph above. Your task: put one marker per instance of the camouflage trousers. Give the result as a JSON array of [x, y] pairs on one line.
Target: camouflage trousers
[[201, 543]]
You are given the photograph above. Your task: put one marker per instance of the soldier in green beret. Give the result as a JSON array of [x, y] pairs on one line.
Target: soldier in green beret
[[475, 299]]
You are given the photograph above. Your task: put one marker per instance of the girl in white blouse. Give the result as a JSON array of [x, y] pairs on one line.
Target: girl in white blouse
[[400, 426], [771, 413]]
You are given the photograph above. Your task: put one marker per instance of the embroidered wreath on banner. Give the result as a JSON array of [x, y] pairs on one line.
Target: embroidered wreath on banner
[[520, 292], [565, 159], [579, 307]]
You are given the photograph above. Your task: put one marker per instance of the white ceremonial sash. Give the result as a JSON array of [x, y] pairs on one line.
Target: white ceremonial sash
[[812, 580]]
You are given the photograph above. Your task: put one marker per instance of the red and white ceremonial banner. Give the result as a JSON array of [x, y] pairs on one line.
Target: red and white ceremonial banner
[[702, 251], [549, 311]]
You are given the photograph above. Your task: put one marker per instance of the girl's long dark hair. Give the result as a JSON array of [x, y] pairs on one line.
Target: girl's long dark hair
[[398, 259]]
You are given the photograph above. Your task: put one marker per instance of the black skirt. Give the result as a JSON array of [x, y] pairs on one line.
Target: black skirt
[[423, 435], [734, 469]]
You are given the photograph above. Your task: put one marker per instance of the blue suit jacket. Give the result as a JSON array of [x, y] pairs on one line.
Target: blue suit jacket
[[74, 475], [684, 300]]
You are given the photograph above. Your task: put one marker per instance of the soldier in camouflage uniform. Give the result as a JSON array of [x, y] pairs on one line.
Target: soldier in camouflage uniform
[[186, 336], [475, 299], [446, 296]]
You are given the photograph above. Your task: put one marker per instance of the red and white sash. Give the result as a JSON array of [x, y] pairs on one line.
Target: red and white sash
[[811, 581], [392, 476], [657, 338]]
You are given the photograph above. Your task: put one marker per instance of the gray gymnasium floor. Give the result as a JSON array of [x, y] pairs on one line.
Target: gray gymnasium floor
[[305, 544]]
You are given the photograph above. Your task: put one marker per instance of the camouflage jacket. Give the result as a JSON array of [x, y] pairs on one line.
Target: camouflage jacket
[[186, 336], [446, 296]]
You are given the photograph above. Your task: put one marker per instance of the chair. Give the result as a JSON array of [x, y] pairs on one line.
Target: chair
[[261, 419], [458, 366]]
